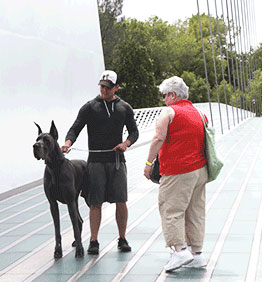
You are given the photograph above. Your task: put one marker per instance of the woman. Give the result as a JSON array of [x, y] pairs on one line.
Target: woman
[[179, 140]]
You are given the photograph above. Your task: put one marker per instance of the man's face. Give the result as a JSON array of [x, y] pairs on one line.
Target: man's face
[[108, 93]]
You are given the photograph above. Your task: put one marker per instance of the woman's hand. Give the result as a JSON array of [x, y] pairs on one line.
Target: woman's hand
[[147, 171]]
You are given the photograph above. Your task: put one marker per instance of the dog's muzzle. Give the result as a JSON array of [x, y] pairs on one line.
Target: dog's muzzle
[[37, 150]]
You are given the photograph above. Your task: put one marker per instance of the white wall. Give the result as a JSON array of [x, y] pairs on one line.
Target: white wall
[[50, 62]]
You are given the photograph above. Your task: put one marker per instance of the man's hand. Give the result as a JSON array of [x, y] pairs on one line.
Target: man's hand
[[147, 171], [122, 146], [66, 147]]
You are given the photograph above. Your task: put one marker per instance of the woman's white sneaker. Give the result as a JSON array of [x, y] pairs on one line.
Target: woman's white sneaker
[[198, 261], [178, 259]]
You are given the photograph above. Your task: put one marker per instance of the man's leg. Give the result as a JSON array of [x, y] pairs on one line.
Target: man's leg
[[121, 218], [95, 220]]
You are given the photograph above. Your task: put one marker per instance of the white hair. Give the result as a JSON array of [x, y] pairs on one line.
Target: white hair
[[175, 84]]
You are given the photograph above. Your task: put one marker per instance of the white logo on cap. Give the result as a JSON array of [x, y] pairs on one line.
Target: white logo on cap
[[109, 75]]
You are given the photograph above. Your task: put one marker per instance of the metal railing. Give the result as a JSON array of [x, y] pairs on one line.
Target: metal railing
[[146, 117]]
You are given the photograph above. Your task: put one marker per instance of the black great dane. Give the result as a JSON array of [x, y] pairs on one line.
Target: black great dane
[[63, 180]]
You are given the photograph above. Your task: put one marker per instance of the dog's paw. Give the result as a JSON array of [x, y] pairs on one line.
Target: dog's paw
[[58, 253], [73, 244], [79, 253]]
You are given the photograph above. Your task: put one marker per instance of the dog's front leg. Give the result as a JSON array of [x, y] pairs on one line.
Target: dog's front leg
[[56, 220], [72, 207]]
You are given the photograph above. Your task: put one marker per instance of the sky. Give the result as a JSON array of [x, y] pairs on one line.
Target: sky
[[172, 10]]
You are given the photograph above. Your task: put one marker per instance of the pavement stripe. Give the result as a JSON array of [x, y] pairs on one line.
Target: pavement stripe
[[137, 256], [219, 189], [163, 275], [24, 210], [219, 245], [23, 223], [37, 262], [21, 202], [256, 248], [28, 235], [19, 194], [111, 245], [53, 240]]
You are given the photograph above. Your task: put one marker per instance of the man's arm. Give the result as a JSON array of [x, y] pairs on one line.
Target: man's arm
[[162, 125], [75, 130], [132, 132], [66, 147], [131, 126]]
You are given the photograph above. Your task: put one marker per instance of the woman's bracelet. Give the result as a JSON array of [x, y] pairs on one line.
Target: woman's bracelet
[[148, 163]]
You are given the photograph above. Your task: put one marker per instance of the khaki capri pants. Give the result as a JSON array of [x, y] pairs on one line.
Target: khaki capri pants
[[182, 208]]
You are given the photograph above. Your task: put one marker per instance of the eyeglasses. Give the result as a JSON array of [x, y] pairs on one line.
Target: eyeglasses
[[164, 95]]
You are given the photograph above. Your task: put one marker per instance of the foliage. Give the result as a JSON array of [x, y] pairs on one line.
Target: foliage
[[257, 57], [224, 90], [135, 68], [111, 32], [197, 87], [255, 94], [145, 53]]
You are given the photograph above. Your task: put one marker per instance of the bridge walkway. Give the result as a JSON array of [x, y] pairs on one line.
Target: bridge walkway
[[233, 226]]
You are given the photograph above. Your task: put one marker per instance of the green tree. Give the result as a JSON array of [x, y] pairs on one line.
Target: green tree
[[255, 96], [111, 27], [135, 68], [225, 93], [146, 53], [197, 87], [161, 44], [257, 57], [193, 31]]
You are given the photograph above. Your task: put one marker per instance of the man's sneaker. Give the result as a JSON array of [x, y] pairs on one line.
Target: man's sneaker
[[123, 245], [93, 248], [178, 259], [198, 261]]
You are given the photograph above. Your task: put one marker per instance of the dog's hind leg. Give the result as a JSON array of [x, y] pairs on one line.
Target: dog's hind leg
[[74, 214], [56, 220], [80, 223]]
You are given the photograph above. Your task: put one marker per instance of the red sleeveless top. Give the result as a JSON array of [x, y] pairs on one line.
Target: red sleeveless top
[[183, 148]]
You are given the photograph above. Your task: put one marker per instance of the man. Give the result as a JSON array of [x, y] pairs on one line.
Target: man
[[179, 141], [105, 117]]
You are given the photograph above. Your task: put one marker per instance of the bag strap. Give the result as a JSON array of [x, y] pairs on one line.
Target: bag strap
[[203, 119]]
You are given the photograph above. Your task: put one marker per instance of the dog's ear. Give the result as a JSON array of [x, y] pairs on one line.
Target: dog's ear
[[54, 131], [39, 129]]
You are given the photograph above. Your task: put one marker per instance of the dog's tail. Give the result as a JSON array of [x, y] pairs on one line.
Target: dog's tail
[[78, 214]]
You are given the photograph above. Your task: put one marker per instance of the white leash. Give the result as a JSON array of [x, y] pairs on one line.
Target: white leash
[[117, 155], [76, 149], [92, 151]]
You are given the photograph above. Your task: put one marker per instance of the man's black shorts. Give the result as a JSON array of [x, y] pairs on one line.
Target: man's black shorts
[[104, 183]]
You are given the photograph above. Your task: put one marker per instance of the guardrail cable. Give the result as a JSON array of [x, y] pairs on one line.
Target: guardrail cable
[[232, 59], [236, 59], [205, 65], [221, 61], [242, 55], [228, 64], [214, 62], [250, 72], [238, 32], [252, 32]]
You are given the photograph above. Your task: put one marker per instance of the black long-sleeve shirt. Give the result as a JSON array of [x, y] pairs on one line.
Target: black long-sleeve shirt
[[105, 122]]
